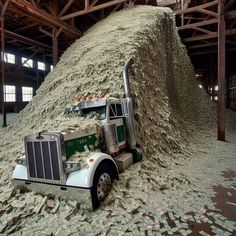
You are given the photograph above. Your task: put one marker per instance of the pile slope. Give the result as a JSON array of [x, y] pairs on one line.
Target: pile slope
[[169, 106]]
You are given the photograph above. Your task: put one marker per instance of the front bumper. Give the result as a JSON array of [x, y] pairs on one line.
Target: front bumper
[[82, 195]]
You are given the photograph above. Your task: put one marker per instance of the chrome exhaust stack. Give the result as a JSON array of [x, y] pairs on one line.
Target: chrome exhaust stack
[[128, 106]]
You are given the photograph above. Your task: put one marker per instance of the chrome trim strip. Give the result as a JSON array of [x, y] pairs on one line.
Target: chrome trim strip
[[42, 157], [50, 159]]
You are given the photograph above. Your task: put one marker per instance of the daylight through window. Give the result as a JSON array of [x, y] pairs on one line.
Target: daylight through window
[[9, 93], [27, 94], [26, 62]]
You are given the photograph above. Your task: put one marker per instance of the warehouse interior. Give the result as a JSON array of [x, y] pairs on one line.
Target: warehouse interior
[[35, 37]]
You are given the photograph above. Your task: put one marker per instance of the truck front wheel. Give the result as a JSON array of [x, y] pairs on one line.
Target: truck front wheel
[[102, 183]]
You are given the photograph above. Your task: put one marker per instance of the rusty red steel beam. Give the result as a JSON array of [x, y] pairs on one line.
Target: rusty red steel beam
[[229, 50], [210, 13], [54, 8], [4, 122], [49, 34], [86, 4], [55, 46], [196, 8], [66, 7], [25, 27], [45, 18], [93, 3], [5, 7], [202, 30], [203, 45], [221, 71], [26, 40], [202, 23], [208, 36], [92, 9]]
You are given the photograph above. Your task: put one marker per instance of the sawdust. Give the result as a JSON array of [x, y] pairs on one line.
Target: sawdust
[[170, 112]]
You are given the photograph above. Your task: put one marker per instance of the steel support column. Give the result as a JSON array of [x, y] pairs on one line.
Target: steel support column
[[221, 71], [4, 123], [55, 46]]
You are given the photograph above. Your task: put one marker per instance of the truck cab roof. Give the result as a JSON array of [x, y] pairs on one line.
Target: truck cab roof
[[98, 102]]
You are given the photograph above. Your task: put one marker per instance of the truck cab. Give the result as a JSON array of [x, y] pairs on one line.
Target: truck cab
[[111, 113], [79, 164]]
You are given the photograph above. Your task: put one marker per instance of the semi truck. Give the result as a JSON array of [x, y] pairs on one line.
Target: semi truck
[[47, 166]]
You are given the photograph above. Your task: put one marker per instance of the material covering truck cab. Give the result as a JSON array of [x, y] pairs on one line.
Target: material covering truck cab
[[49, 165]]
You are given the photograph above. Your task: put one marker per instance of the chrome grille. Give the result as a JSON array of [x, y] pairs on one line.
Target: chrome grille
[[44, 158]]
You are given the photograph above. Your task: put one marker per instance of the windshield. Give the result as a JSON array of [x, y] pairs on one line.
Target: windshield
[[94, 112]]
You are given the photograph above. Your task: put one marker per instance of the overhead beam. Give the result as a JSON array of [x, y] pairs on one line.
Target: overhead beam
[[92, 9], [54, 8], [45, 18], [25, 27], [49, 34], [210, 13], [93, 3], [202, 23], [33, 2], [208, 36], [211, 52], [203, 45], [116, 7], [196, 8], [3, 37], [26, 40], [66, 7], [202, 30], [4, 7], [86, 4]]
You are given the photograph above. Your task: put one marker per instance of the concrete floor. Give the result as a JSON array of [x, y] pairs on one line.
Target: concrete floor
[[199, 198], [208, 205]]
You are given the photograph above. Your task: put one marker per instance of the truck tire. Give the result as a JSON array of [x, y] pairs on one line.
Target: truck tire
[[102, 183]]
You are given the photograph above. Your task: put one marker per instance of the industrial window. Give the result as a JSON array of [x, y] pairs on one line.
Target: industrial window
[[26, 62], [41, 65], [51, 67], [9, 58], [9, 93], [216, 88], [27, 94]]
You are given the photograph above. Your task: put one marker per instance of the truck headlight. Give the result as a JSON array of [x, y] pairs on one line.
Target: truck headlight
[[68, 166], [75, 165], [71, 166]]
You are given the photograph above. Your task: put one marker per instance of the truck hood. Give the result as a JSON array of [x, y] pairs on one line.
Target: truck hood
[[80, 135]]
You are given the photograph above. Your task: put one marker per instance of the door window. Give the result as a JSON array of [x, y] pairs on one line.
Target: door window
[[115, 110]]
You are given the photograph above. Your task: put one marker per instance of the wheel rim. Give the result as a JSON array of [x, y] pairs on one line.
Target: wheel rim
[[103, 186]]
